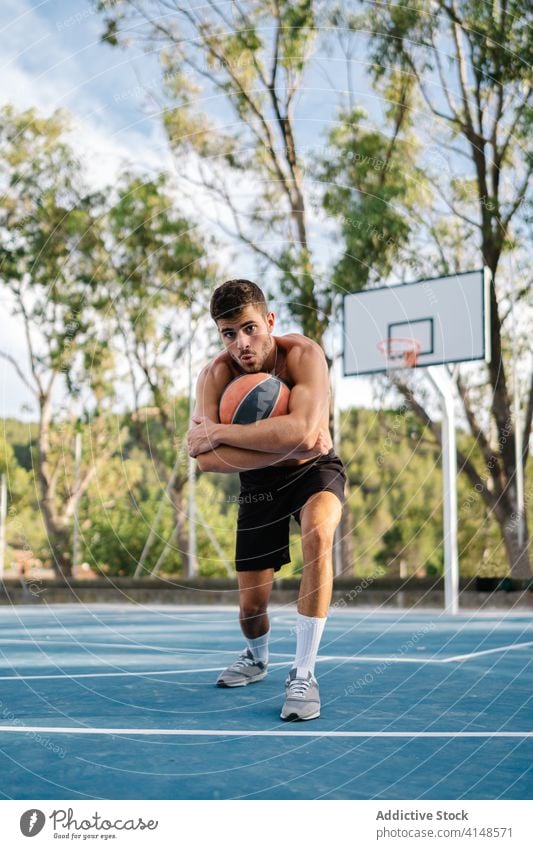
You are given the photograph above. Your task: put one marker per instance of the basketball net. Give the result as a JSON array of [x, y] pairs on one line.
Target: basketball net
[[400, 352]]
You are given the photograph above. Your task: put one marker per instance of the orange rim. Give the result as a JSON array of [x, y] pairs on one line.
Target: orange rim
[[400, 348]]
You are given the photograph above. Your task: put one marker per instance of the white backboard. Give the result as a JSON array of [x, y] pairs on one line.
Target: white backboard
[[449, 317]]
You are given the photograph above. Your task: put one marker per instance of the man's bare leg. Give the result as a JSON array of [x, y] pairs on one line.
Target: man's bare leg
[[319, 518], [254, 595]]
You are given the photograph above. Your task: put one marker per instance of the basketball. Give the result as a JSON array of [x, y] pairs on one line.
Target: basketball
[[252, 397]]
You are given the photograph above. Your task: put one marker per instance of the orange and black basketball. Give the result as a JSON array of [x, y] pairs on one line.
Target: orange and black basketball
[[252, 397]]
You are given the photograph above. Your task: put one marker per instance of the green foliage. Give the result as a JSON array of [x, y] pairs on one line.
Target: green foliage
[[298, 285], [157, 258], [252, 57], [298, 30], [18, 479], [21, 437], [371, 190], [25, 529], [392, 546], [96, 279], [154, 247], [479, 55], [500, 37], [396, 499], [216, 497], [50, 248], [116, 523], [395, 479], [397, 23]]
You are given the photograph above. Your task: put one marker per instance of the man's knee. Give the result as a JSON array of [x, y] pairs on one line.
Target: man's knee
[[318, 530], [319, 536], [322, 510], [252, 609]]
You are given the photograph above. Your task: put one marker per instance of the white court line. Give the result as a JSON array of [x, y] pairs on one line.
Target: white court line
[[510, 647], [81, 643], [325, 658], [84, 644], [365, 658], [140, 674], [67, 675], [217, 732]]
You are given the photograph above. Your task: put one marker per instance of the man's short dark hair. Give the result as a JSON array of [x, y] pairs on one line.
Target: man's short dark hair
[[229, 299]]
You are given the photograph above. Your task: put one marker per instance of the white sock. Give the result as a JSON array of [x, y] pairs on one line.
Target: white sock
[[308, 635], [259, 647]]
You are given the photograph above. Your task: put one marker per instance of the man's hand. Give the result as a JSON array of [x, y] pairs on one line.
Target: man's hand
[[201, 436], [322, 445]]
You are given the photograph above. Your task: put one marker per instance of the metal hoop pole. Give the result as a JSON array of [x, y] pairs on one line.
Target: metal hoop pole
[[444, 385], [3, 521]]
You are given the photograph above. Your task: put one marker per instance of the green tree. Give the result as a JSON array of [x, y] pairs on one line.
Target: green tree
[[468, 64], [159, 270], [255, 57], [49, 254], [373, 186]]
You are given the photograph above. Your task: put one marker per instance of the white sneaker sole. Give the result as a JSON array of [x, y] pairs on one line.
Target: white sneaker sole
[[294, 717], [245, 683]]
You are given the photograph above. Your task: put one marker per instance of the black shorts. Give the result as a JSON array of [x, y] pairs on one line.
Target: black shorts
[[267, 500]]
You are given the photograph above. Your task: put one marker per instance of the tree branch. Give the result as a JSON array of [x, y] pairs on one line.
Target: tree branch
[[75, 496], [463, 462], [29, 343], [477, 433], [205, 43], [500, 154], [20, 373], [519, 197], [450, 119], [240, 232], [445, 87], [525, 290], [400, 117], [294, 193], [451, 205]]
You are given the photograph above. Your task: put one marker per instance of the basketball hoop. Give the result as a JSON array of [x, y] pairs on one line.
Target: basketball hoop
[[400, 351]]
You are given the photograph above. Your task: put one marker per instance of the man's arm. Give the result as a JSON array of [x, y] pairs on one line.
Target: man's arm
[[211, 383], [299, 429], [228, 460]]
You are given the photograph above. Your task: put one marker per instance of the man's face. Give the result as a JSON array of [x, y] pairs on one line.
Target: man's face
[[247, 338]]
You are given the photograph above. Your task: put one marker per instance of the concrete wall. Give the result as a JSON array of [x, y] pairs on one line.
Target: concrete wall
[[367, 593]]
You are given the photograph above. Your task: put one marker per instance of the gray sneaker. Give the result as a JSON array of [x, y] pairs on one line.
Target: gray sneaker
[[302, 698], [245, 670]]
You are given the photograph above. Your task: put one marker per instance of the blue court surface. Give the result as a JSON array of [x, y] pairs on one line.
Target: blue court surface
[[119, 702]]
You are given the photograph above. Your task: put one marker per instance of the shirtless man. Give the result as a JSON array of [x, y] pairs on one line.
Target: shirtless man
[[290, 461]]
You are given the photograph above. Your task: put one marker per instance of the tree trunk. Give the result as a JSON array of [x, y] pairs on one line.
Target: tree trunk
[[346, 532], [59, 540], [501, 499], [60, 544], [504, 509], [180, 515], [517, 555], [57, 532]]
